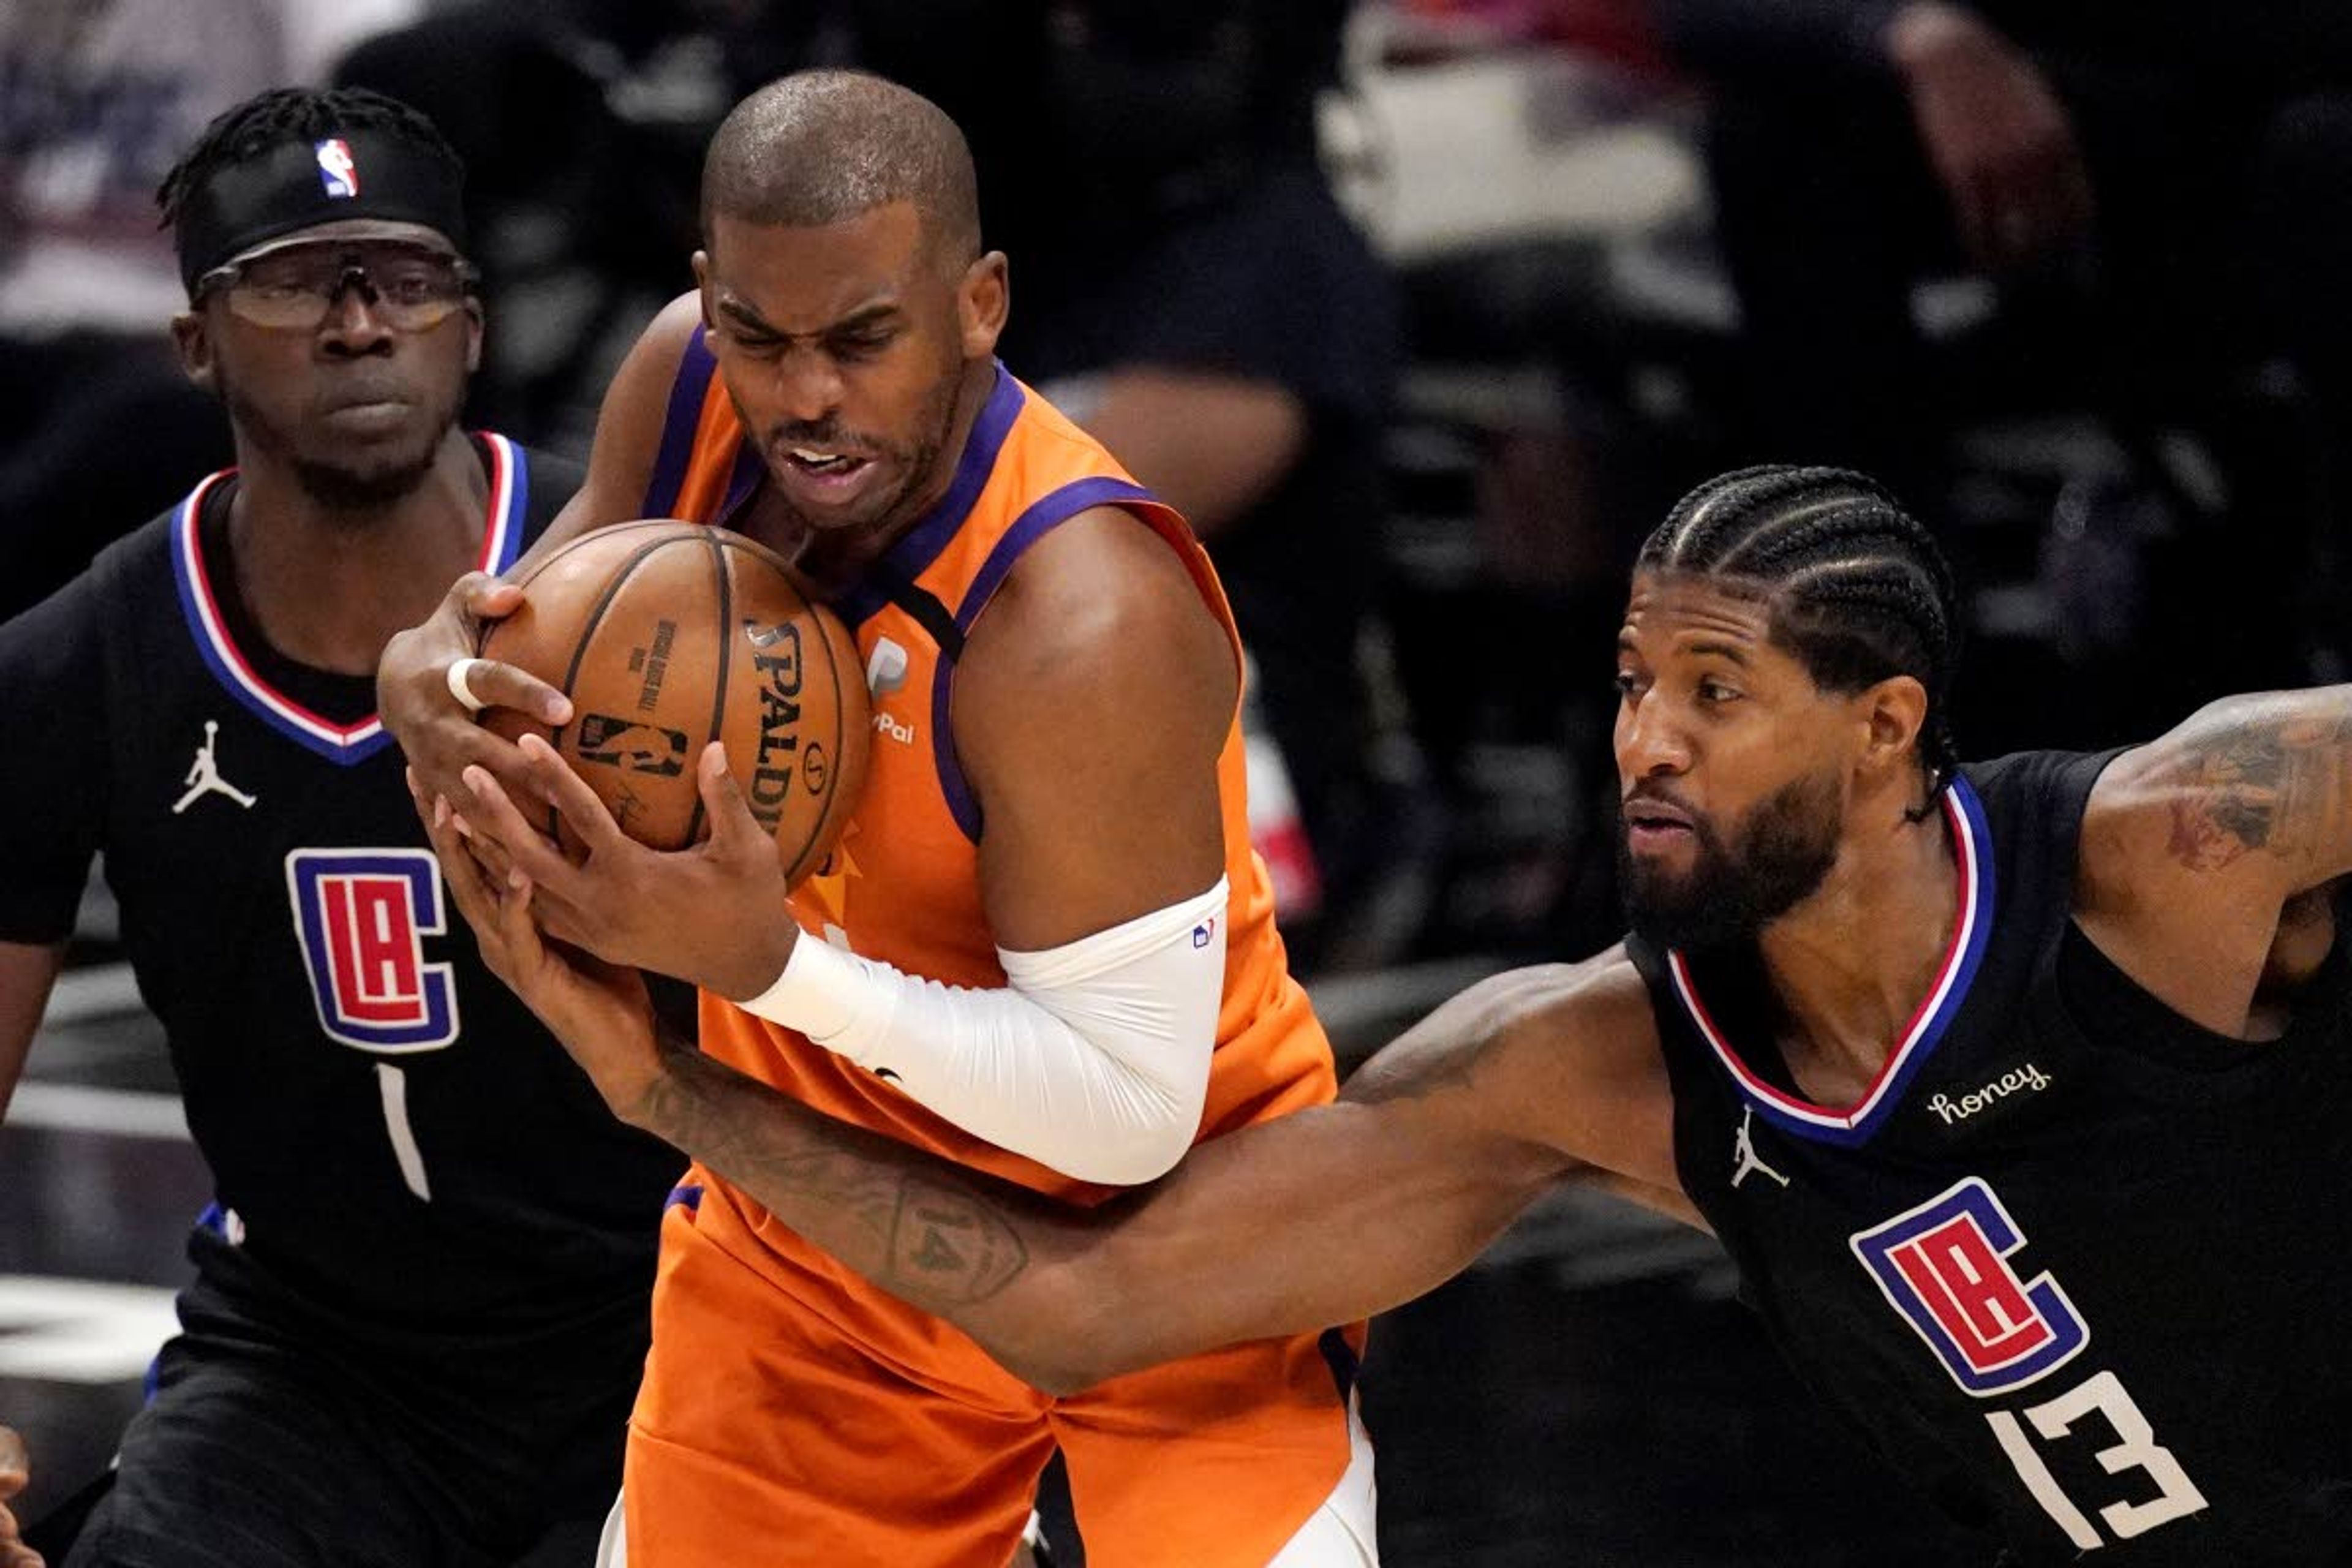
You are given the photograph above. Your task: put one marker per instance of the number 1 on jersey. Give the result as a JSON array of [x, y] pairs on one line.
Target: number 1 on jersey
[[361, 916]]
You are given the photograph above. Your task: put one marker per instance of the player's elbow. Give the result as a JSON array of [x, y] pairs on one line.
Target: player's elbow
[[1102, 1329], [1137, 1151]]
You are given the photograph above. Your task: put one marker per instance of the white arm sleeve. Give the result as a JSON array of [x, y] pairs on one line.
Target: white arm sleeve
[[1094, 1061]]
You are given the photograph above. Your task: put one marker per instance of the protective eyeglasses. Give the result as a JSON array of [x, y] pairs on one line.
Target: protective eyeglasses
[[411, 287]]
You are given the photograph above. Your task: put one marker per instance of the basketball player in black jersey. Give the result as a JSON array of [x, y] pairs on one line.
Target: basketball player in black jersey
[[2021, 1092], [421, 1299]]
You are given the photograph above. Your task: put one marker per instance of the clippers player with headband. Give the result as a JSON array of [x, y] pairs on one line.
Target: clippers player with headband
[[2019, 1092], [1043, 948], [420, 1307]]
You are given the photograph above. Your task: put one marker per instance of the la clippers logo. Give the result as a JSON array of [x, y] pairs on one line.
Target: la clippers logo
[[1945, 1267], [363, 916], [338, 171]]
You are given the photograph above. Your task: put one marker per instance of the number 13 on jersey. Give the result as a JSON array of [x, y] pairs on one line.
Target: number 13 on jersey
[[1945, 1267]]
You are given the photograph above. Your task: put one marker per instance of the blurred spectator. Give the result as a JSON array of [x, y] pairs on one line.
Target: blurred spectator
[[1186, 287], [97, 98], [2168, 172], [1614, 31], [582, 123]]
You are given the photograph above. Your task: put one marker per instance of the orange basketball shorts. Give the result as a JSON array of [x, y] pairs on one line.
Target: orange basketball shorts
[[793, 1413]]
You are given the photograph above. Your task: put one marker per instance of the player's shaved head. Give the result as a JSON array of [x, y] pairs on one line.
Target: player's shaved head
[[821, 147]]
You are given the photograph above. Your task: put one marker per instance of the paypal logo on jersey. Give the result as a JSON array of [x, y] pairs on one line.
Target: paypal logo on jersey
[[339, 173], [1945, 1267], [362, 916]]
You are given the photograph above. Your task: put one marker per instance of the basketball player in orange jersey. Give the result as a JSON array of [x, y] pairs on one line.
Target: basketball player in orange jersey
[[1043, 948]]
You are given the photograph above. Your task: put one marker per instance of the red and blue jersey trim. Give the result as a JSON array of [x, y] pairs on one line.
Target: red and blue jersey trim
[[346, 744], [1857, 1124]]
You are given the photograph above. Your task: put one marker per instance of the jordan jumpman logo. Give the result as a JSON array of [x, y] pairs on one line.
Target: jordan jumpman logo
[[1743, 1152], [203, 776]]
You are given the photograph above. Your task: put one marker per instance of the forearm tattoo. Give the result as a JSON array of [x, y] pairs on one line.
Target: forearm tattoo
[[954, 1245], [852, 1191], [2265, 773]]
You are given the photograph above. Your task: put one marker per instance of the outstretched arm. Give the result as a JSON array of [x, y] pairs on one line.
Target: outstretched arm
[[1314, 1219], [2193, 844], [1317, 1218]]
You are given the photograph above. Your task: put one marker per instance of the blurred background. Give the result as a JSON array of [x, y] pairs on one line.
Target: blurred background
[[1423, 312]]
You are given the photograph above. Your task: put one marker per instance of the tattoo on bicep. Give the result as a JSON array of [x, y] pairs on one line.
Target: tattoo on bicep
[[2271, 778], [951, 1244]]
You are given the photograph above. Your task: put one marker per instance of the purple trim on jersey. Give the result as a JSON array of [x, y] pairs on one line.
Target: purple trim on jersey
[[1049, 511], [1858, 1123], [912, 556], [1044, 514], [344, 744], [695, 368], [750, 469], [1340, 1357], [686, 1195]]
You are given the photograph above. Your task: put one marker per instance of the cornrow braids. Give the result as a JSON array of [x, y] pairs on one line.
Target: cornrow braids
[[292, 114], [1857, 589]]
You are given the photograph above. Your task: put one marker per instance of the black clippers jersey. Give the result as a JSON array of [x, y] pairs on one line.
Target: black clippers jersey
[[2074, 1264], [396, 1141]]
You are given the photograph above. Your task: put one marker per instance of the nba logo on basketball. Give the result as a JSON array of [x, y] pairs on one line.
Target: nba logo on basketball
[[338, 171], [362, 916], [1945, 1267]]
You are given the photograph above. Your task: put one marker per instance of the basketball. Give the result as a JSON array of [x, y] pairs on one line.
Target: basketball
[[668, 636]]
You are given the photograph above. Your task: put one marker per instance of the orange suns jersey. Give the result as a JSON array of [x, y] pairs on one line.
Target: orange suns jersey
[[903, 884]]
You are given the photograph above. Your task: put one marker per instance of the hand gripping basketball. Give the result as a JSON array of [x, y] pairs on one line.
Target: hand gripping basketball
[[420, 703], [667, 637], [714, 914]]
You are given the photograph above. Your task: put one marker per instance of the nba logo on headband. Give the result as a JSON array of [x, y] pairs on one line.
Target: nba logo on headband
[[337, 171]]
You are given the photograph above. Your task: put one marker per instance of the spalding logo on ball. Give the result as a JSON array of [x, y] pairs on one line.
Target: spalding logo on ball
[[668, 636]]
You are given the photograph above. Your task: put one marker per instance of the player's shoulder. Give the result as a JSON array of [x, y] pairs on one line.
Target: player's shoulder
[[1549, 1020], [1565, 1055], [653, 361], [1101, 592], [634, 417], [1600, 1009], [1104, 560], [2029, 780], [55, 648], [131, 572]]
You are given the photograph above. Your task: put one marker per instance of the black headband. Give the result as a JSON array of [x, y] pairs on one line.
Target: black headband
[[297, 185]]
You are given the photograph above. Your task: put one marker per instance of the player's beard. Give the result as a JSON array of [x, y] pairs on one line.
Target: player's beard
[[916, 461], [1779, 856], [346, 483]]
